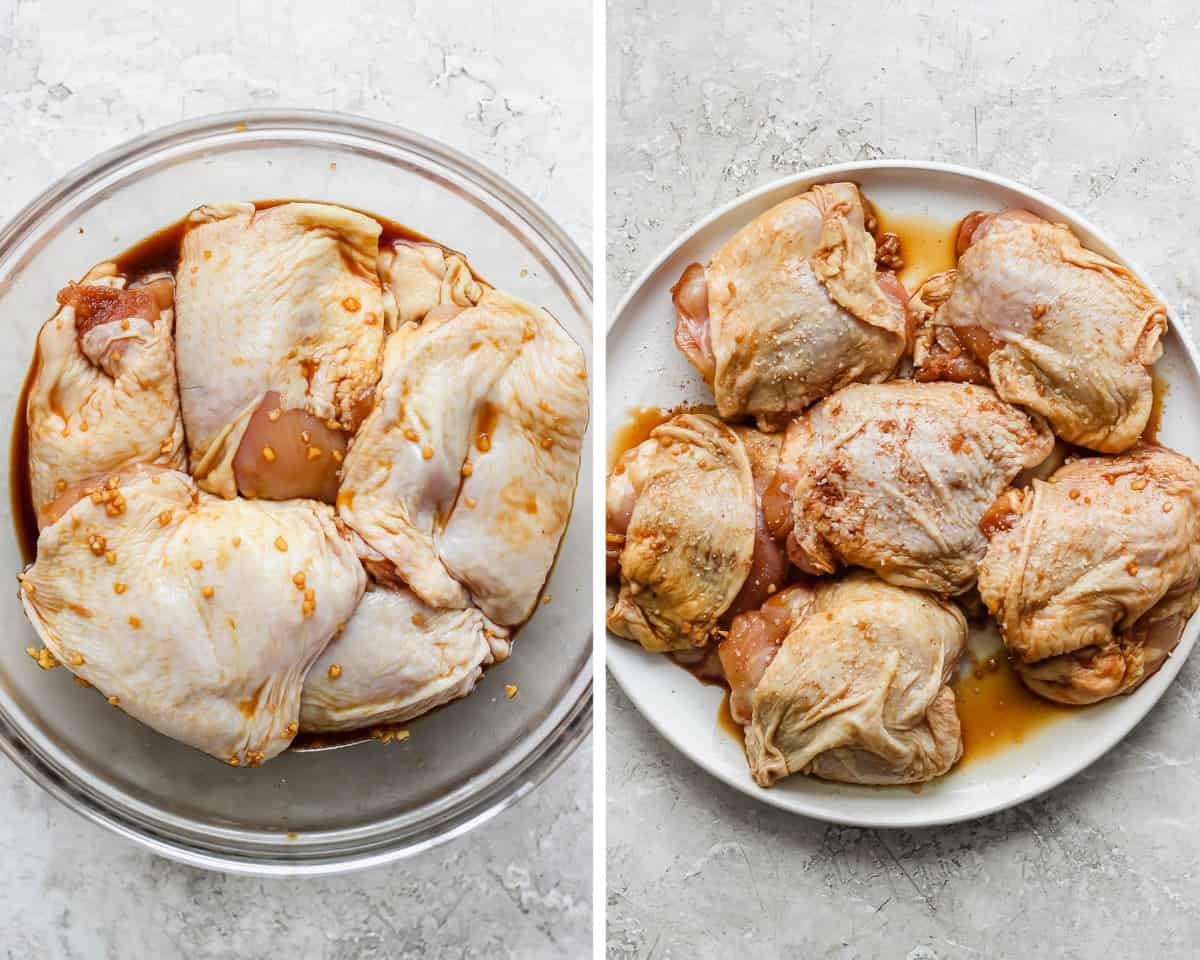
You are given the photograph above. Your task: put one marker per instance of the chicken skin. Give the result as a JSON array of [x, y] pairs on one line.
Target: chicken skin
[[196, 615], [417, 277], [279, 334], [1092, 575], [1053, 327], [792, 308], [462, 477], [849, 681], [895, 477], [104, 394], [680, 531], [397, 659]]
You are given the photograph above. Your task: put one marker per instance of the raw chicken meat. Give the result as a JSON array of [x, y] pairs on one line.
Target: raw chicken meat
[[895, 477], [196, 615], [937, 352], [755, 636], [103, 395], [1092, 575], [769, 564], [858, 691], [681, 526], [397, 659], [463, 475], [279, 333], [1058, 329], [420, 276], [792, 308]]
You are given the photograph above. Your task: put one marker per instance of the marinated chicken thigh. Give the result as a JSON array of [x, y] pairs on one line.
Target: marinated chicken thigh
[[279, 332], [397, 659], [1057, 328], [463, 475], [792, 308], [417, 277], [1092, 575], [103, 395], [198, 616], [680, 531], [856, 691], [895, 477]]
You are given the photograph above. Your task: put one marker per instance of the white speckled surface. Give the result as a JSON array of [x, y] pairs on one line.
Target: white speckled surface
[[76, 78], [1092, 102]]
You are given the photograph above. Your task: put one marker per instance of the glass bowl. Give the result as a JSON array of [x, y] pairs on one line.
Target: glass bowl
[[305, 812]]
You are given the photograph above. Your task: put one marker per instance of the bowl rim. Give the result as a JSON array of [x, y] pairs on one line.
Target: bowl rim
[[328, 121], [1095, 749], [557, 744]]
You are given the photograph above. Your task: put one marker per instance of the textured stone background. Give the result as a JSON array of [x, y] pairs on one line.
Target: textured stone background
[[1094, 102], [76, 78]]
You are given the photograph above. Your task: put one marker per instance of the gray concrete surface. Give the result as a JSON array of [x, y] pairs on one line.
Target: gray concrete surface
[[76, 78], [1093, 102]]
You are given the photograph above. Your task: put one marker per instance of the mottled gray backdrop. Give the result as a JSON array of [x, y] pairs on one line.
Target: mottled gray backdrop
[[510, 85], [1096, 103]]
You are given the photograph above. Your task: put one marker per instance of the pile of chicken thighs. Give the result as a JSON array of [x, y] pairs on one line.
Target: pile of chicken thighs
[[899, 469], [302, 484]]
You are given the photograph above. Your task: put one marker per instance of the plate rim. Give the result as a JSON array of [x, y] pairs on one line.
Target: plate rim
[[796, 804]]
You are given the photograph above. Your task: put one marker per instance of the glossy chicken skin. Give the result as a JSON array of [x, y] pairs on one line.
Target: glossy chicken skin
[[417, 277], [279, 333], [103, 395], [396, 659], [681, 528], [1059, 330], [792, 308], [1092, 575], [895, 477], [858, 691], [463, 475], [196, 615]]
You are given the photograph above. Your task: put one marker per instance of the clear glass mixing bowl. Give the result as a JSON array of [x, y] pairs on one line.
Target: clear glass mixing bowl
[[334, 809]]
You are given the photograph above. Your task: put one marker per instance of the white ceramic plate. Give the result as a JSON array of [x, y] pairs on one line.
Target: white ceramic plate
[[645, 369]]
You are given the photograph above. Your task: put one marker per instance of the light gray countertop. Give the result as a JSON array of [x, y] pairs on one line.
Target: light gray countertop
[[1092, 102], [77, 78]]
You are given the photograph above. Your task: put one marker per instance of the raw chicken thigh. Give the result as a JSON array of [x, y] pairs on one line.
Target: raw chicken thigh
[[1058, 329], [196, 615], [463, 475], [397, 659], [420, 276], [895, 477], [103, 395], [279, 333], [681, 527], [1092, 575], [858, 689], [792, 308]]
